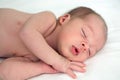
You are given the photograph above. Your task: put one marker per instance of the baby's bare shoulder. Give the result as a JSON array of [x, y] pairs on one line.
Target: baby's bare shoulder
[[45, 17], [47, 14], [44, 22]]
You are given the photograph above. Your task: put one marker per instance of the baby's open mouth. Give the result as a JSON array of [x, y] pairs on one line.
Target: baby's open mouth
[[75, 50]]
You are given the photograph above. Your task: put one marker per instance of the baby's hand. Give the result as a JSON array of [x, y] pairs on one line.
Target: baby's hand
[[75, 66], [69, 67]]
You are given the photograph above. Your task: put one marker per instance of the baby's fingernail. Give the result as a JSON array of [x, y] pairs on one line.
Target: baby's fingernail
[[83, 67], [74, 76]]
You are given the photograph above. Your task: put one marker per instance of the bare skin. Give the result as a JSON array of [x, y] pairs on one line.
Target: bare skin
[[12, 46], [37, 40], [16, 48], [10, 25]]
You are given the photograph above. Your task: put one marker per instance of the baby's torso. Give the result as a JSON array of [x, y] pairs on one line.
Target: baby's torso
[[11, 22]]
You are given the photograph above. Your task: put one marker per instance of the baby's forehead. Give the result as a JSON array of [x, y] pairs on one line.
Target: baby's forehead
[[95, 17], [95, 22], [98, 28]]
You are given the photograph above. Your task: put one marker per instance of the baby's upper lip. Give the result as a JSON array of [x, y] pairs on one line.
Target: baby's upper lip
[[75, 50]]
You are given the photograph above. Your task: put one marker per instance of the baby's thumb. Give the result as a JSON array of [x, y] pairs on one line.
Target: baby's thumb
[[71, 73]]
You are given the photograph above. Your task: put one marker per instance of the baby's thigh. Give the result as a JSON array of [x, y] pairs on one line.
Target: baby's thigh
[[15, 63], [16, 68]]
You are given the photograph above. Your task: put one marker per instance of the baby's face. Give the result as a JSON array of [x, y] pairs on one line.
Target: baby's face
[[81, 39]]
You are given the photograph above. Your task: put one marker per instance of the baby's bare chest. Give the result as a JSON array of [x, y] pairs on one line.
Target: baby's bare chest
[[11, 23]]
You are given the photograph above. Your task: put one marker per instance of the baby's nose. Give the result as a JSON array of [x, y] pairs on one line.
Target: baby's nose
[[85, 46]]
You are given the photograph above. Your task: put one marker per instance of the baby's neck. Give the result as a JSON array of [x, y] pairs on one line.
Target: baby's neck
[[52, 38]]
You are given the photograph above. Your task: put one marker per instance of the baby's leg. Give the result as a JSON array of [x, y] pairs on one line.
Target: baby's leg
[[20, 68]]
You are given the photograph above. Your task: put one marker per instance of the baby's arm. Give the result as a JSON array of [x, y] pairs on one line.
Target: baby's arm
[[24, 67], [33, 34]]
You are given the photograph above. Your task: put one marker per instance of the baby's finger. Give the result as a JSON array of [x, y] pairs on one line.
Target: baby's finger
[[77, 68], [71, 73], [78, 64]]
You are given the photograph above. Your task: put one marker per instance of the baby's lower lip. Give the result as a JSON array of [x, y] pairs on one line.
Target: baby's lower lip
[[74, 50]]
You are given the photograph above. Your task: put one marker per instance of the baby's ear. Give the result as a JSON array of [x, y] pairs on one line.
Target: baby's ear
[[64, 19]]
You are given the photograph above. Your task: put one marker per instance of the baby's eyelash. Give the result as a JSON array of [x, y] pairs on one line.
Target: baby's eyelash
[[89, 52], [83, 32]]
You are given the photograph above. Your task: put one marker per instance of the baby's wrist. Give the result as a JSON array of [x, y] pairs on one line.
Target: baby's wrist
[[62, 64]]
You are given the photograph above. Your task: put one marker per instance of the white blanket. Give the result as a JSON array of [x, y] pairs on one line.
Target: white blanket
[[106, 64]]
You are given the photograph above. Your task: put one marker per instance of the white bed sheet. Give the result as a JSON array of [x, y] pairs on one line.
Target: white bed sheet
[[106, 64]]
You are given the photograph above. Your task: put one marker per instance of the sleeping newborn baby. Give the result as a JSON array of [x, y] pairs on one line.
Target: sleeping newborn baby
[[34, 44]]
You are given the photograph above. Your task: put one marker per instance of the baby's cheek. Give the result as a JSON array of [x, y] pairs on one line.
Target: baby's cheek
[[81, 58]]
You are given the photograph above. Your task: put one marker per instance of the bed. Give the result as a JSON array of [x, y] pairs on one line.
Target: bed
[[106, 64]]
